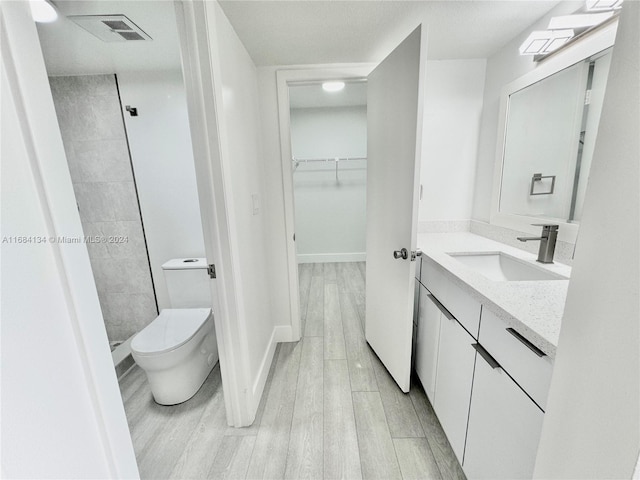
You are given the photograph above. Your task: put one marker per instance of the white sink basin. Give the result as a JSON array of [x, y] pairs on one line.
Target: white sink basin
[[500, 267]]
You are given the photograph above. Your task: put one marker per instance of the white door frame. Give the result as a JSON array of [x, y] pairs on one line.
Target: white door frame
[[201, 70], [24, 63], [285, 78]]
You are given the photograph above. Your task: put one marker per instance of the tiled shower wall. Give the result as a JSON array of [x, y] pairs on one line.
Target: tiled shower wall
[[88, 111]]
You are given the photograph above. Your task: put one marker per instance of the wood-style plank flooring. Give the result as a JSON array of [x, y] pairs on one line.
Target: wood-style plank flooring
[[329, 409]]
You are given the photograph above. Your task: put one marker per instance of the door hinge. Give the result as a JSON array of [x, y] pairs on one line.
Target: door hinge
[[211, 270]]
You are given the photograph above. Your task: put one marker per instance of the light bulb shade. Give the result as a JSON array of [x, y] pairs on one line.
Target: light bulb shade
[[599, 5], [332, 86], [42, 11], [542, 42]]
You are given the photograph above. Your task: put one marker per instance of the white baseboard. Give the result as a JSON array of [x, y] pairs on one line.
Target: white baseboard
[[122, 351], [265, 365], [283, 333], [332, 257]]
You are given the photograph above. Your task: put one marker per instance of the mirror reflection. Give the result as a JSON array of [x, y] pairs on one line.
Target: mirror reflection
[[550, 137]]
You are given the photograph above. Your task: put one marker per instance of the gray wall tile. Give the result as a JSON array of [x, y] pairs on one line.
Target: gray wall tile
[[133, 245], [90, 118], [100, 161], [107, 202]]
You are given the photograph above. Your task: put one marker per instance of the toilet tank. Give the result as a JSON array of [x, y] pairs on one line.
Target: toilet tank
[[187, 282]]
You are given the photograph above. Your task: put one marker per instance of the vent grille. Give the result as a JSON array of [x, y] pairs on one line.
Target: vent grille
[[131, 35], [110, 28], [116, 24]]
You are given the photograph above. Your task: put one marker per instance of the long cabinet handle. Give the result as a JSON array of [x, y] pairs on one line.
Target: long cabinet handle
[[441, 307], [486, 355], [526, 343]]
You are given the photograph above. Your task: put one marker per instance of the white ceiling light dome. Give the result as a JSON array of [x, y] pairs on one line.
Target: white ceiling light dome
[[332, 86]]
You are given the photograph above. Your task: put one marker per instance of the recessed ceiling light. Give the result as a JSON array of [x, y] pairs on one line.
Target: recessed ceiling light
[[594, 5], [332, 86], [541, 42], [42, 11], [579, 21]]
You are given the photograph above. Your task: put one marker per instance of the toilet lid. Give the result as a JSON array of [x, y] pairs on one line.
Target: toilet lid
[[171, 329]]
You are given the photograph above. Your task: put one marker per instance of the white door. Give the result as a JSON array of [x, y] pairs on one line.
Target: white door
[[394, 132]]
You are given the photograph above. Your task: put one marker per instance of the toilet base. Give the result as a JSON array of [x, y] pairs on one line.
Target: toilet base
[[176, 376]]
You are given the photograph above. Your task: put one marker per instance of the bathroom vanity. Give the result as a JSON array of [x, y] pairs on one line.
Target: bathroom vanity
[[487, 323]]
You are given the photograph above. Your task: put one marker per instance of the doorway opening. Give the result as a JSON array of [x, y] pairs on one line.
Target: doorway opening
[[328, 131], [324, 199], [130, 154]]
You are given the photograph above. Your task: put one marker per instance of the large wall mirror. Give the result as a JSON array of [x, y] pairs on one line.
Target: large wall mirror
[[547, 139]]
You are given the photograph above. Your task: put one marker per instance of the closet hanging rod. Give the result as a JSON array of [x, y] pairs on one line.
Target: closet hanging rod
[[333, 159]]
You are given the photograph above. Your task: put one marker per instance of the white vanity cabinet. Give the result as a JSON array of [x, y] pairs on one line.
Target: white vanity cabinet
[[453, 381], [487, 383], [444, 359], [504, 426], [427, 340]]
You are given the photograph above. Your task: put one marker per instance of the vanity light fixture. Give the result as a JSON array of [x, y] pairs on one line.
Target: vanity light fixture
[[600, 5], [42, 11], [586, 20], [332, 86], [541, 42]]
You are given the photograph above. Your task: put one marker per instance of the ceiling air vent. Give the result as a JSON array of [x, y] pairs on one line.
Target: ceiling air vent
[[110, 28]]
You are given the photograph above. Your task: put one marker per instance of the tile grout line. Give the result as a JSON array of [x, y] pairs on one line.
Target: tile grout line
[[427, 439], [353, 410], [295, 397], [384, 411]]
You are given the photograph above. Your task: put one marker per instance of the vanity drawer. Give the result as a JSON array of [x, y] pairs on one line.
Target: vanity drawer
[[433, 278], [458, 302], [526, 364]]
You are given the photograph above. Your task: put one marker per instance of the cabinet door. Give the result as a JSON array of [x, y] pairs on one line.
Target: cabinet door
[[453, 381], [504, 427], [427, 338], [416, 312]]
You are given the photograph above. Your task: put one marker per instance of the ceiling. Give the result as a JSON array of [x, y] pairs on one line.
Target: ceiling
[[311, 32], [69, 49], [354, 94], [291, 32]]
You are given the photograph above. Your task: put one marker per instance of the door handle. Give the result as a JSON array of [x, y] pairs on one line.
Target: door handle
[[487, 357], [526, 342], [403, 253]]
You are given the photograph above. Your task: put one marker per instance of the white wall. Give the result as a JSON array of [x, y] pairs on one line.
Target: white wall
[[330, 213], [329, 132], [502, 68], [162, 157], [592, 422], [274, 192], [62, 415], [242, 157], [453, 105]]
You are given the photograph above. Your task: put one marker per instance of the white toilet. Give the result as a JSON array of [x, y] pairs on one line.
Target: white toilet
[[178, 349]]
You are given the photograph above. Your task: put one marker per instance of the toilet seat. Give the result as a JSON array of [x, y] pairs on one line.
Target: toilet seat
[[171, 329]]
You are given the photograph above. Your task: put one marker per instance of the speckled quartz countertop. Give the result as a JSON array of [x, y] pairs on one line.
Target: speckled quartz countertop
[[533, 308]]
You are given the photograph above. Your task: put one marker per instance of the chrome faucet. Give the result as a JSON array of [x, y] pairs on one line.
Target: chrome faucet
[[547, 242]]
